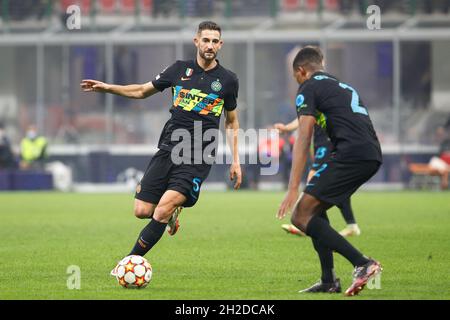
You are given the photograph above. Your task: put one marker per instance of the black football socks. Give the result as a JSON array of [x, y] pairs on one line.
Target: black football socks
[[347, 212], [325, 256], [148, 237], [320, 229]]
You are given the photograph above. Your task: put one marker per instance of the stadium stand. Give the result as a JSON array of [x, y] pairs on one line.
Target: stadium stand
[[406, 102]]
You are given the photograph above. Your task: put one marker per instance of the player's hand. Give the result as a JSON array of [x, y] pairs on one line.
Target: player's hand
[[236, 174], [288, 203], [281, 127], [89, 85]]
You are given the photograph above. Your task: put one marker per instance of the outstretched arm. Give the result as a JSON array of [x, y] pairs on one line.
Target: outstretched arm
[[291, 126], [232, 127], [300, 153], [136, 91]]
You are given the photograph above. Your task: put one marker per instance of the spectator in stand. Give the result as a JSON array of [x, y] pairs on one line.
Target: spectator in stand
[[33, 150], [436, 6], [162, 7], [444, 149], [6, 154]]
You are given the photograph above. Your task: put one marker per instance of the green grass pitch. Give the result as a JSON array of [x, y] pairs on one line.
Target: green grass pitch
[[229, 246]]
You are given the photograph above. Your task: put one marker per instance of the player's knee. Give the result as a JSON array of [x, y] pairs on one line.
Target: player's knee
[[301, 216], [300, 221], [142, 212]]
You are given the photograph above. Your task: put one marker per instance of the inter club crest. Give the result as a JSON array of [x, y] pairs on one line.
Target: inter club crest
[[216, 85], [189, 72]]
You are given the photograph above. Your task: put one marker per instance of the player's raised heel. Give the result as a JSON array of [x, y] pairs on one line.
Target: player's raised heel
[[350, 230], [289, 228], [173, 225], [362, 275], [321, 287]]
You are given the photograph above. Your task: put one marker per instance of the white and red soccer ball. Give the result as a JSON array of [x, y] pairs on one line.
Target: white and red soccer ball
[[134, 272]]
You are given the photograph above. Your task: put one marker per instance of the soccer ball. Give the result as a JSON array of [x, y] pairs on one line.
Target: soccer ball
[[134, 272]]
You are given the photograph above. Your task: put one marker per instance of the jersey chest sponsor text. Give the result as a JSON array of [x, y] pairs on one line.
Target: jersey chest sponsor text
[[197, 101]]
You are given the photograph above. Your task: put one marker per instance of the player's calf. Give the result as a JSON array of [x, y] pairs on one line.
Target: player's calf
[[164, 213], [173, 225]]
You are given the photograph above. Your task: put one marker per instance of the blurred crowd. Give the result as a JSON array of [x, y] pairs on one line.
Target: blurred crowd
[[37, 9]]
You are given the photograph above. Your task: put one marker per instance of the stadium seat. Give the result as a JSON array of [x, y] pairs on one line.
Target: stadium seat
[[146, 6], [423, 175], [331, 5], [127, 6], [63, 4], [66, 3], [85, 5], [445, 156], [311, 5], [289, 5], [107, 6]]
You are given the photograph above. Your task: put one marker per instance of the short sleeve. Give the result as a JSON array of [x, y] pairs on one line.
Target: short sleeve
[[305, 101], [232, 95], [167, 77]]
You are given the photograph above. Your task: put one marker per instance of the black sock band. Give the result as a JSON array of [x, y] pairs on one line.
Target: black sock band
[[148, 237], [320, 230]]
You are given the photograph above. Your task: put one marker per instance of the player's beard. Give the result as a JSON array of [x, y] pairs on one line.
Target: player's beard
[[210, 57]]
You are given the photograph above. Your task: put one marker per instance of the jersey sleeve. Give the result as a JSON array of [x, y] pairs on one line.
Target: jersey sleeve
[[305, 102], [231, 97], [167, 77]]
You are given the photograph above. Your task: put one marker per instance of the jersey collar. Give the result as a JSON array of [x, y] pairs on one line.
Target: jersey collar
[[317, 73], [200, 69]]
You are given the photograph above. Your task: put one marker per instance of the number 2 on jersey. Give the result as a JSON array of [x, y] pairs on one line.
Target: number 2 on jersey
[[355, 100]]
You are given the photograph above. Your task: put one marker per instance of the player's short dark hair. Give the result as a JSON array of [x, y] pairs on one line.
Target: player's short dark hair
[[208, 25], [308, 57]]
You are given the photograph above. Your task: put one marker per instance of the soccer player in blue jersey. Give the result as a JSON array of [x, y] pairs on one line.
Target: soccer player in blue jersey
[[323, 150], [324, 100]]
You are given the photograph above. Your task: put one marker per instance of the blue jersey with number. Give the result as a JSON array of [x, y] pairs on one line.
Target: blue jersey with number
[[337, 108]]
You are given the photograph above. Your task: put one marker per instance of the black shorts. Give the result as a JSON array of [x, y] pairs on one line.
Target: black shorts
[[162, 175], [321, 156], [335, 181]]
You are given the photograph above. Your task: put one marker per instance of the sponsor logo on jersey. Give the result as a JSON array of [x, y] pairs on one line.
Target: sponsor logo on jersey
[[197, 101], [299, 100]]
